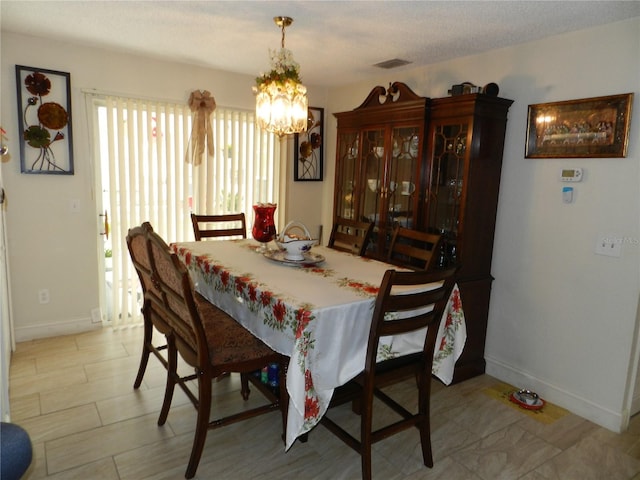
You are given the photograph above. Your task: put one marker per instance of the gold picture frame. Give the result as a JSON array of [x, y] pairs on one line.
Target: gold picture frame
[[590, 127]]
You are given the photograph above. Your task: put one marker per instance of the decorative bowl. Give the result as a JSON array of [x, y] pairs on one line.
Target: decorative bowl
[[295, 245]]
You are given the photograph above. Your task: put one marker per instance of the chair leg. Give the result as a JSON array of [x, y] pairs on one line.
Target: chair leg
[[283, 396], [148, 333], [425, 424], [172, 375], [425, 440], [202, 423], [366, 423], [365, 443], [244, 386], [356, 406]]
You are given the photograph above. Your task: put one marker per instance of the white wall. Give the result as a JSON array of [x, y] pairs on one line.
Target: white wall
[[562, 319], [49, 246], [7, 344]]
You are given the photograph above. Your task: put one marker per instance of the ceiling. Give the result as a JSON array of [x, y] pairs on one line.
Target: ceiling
[[335, 42]]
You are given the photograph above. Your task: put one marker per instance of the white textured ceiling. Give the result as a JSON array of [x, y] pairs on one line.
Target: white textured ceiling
[[335, 42]]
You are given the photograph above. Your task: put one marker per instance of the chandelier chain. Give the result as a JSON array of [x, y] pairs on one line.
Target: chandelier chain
[[283, 27]]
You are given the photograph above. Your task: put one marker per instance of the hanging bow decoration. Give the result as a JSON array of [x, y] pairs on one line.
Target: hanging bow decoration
[[202, 105]]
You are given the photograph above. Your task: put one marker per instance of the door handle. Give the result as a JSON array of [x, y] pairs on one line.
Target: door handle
[[105, 229]]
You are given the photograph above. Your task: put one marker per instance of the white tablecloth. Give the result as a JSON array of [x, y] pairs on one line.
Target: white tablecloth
[[319, 316]]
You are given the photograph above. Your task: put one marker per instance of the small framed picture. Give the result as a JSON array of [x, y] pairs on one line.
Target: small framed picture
[[309, 148], [44, 120], [589, 127]]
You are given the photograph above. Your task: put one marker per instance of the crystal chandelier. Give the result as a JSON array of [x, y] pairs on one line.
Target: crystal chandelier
[[281, 99]]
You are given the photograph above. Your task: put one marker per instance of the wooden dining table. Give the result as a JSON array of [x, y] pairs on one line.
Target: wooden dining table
[[317, 312]]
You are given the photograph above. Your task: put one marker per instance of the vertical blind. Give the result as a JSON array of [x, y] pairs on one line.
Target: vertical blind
[[141, 146]]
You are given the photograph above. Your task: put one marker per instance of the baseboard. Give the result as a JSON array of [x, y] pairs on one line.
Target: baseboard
[[635, 405], [614, 421], [46, 330]]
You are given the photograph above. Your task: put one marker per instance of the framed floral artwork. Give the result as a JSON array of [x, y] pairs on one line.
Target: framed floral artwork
[[44, 121], [309, 147], [589, 127]]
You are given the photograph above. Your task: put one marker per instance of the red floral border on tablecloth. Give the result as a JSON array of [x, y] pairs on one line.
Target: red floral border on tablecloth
[[453, 322]]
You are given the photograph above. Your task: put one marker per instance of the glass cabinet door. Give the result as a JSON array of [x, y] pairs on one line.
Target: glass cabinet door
[[446, 187], [348, 161], [403, 184], [373, 154], [386, 133]]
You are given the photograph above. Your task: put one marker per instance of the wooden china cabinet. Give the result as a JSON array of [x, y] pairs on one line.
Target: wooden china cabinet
[[432, 165], [379, 166], [464, 157]]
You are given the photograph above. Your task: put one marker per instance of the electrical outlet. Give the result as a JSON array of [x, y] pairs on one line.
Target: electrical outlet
[[609, 245], [43, 296], [96, 316]]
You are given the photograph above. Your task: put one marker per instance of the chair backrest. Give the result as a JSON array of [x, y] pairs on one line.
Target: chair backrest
[[413, 249], [210, 226], [139, 253], [406, 302], [172, 298], [350, 235]]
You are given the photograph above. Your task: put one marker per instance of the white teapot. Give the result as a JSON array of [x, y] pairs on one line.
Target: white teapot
[[295, 246]]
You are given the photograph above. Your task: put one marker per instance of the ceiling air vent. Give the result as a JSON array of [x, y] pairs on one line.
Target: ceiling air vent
[[393, 63]]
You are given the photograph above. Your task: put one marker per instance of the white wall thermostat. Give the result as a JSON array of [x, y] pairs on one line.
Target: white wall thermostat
[[571, 175]]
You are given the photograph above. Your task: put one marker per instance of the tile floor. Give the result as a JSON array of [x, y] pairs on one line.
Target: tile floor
[[74, 396]]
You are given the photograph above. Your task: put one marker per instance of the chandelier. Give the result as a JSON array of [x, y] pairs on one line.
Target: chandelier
[[281, 99]]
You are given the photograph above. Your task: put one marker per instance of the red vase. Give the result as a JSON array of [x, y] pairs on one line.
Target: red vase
[[264, 227]]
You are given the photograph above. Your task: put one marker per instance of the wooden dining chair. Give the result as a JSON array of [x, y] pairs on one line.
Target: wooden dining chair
[[232, 225], [350, 235], [396, 312], [213, 226], [139, 253], [207, 339], [413, 249]]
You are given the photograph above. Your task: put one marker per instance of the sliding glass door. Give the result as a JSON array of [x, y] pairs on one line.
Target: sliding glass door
[[142, 175]]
